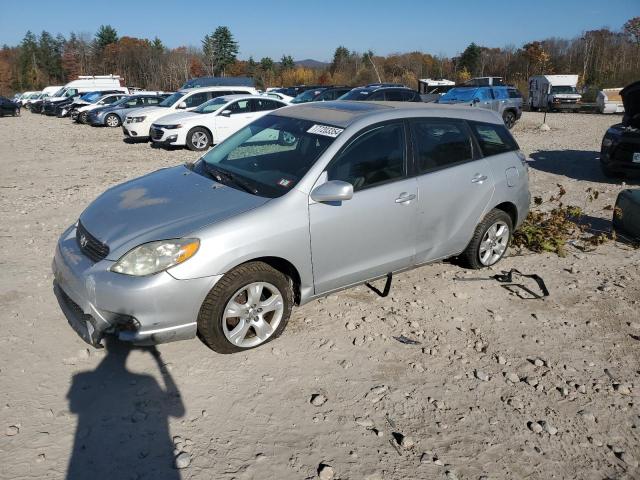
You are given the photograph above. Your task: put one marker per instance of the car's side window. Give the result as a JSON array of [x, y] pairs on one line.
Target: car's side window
[[196, 99], [131, 103], [152, 101], [241, 106], [393, 96], [374, 157], [440, 143], [376, 96], [493, 139], [484, 94], [261, 105]]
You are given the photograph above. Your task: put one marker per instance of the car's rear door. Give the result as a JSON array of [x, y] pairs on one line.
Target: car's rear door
[[455, 185], [373, 233]]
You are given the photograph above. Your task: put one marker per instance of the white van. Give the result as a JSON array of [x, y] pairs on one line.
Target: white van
[[554, 92], [137, 123], [89, 83]]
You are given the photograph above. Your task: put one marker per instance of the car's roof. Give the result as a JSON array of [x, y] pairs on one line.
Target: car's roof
[[216, 88], [343, 113]]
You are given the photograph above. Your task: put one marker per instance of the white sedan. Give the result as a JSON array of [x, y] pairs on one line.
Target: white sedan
[[212, 121]]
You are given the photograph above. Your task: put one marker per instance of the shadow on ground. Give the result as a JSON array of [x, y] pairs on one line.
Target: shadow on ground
[[577, 164], [123, 420]]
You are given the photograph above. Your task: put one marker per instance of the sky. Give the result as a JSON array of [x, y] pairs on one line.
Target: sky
[[311, 29]]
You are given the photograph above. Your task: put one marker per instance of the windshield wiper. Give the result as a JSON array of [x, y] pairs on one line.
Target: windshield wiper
[[229, 177]]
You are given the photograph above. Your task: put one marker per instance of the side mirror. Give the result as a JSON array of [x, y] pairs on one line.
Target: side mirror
[[182, 105], [332, 191], [476, 100], [225, 113]]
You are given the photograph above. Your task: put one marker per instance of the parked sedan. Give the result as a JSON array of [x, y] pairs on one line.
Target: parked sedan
[[224, 247], [322, 94], [211, 122], [80, 113], [9, 107], [113, 115], [382, 92]]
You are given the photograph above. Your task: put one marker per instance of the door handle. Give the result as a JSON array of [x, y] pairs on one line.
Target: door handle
[[478, 178], [405, 197]]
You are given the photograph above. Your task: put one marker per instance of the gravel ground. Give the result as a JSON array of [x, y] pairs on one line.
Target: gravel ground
[[499, 387]]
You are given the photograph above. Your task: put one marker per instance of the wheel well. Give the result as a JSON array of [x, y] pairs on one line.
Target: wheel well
[[511, 210], [285, 267], [508, 110], [204, 128]]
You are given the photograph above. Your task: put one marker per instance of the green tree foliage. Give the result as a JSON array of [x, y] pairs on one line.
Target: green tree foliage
[[340, 59], [106, 35], [287, 63], [471, 58], [220, 50]]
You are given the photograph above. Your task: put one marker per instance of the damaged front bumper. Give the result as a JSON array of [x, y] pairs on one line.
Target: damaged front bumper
[[142, 310]]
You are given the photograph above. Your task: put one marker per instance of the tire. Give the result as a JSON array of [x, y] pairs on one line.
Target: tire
[[16, 112], [215, 328], [509, 119], [198, 139], [112, 120], [82, 118], [473, 257], [607, 172]]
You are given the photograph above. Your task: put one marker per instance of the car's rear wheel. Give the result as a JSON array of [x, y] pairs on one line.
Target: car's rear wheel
[[490, 240], [509, 119], [198, 139], [112, 120], [248, 307]]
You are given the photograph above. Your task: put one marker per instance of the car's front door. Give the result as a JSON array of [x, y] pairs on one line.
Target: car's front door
[[373, 233], [455, 186], [232, 118]]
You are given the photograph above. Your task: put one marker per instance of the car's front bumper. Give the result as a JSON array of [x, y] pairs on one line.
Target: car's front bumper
[[139, 130], [142, 310], [623, 154], [171, 136]]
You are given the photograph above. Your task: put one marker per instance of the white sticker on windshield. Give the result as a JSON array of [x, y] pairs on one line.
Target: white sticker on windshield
[[326, 130]]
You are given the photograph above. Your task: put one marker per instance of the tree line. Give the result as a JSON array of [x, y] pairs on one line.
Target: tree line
[[603, 58]]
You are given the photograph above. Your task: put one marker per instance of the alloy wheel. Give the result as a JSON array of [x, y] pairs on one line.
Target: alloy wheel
[[494, 243], [199, 140], [252, 314], [112, 121]]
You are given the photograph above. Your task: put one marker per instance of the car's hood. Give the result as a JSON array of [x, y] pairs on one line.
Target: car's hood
[[631, 100], [168, 203], [177, 117]]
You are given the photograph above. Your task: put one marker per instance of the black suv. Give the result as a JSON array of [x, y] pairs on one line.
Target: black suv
[[321, 94], [388, 92], [8, 107]]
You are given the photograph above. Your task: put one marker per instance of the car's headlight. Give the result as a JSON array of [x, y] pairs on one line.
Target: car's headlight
[[137, 119], [154, 257], [607, 142], [171, 127]]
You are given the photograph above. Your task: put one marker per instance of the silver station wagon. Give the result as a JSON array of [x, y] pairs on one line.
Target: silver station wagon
[[300, 203]]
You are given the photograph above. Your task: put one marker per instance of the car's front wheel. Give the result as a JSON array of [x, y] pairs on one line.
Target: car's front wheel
[[198, 139], [112, 120], [248, 307], [490, 240], [16, 112], [509, 119], [82, 118]]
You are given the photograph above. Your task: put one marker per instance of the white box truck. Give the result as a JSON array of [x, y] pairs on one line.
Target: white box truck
[[554, 93]]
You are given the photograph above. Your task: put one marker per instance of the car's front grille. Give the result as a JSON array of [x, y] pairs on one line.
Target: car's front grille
[[156, 133], [90, 245]]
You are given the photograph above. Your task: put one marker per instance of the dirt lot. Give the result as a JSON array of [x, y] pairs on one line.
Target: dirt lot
[[464, 402]]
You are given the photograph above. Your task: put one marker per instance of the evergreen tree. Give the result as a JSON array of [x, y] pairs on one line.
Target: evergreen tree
[[220, 50], [470, 58], [106, 35], [340, 59], [287, 63], [28, 61]]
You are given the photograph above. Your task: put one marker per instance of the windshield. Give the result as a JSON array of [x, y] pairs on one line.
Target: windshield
[[211, 106], [459, 95], [270, 155], [563, 89], [171, 99], [58, 93], [307, 96], [356, 94]]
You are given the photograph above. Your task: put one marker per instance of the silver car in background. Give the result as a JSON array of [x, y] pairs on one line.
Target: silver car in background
[[304, 201]]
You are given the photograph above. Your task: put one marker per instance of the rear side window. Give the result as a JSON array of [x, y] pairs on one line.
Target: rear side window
[[393, 96], [409, 96], [493, 139], [373, 158], [484, 94], [440, 143], [500, 93]]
